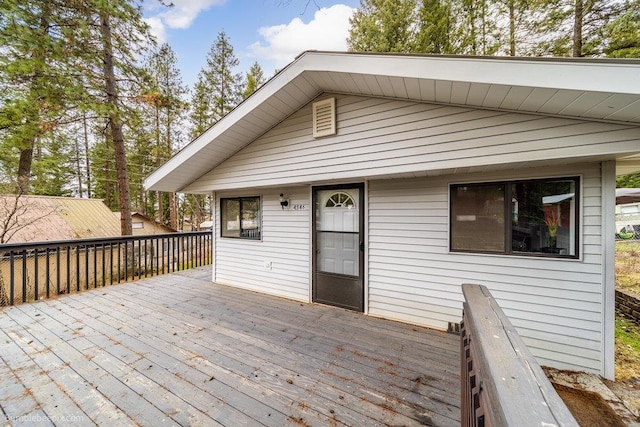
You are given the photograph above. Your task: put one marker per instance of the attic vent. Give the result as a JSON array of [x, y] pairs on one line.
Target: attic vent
[[324, 117]]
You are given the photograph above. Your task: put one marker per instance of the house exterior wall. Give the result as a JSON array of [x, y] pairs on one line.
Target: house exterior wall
[[145, 227], [277, 264], [379, 137], [556, 304]]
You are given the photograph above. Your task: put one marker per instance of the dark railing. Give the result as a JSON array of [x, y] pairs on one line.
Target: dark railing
[[502, 383], [33, 271]]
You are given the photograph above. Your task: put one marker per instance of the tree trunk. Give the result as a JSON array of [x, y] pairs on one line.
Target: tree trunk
[[577, 29], [86, 153], [199, 217], [173, 211], [115, 127], [24, 170], [512, 28], [160, 208], [78, 168]]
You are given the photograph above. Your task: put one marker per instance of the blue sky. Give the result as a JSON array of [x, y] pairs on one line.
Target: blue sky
[[271, 32]]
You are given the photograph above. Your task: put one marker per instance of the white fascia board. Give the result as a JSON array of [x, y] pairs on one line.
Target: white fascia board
[[571, 74], [202, 142]]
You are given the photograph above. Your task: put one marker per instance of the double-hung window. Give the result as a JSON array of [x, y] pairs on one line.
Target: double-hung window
[[240, 217], [533, 217]]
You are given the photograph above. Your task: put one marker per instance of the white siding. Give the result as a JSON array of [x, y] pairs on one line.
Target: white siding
[[555, 304], [285, 244], [378, 137]]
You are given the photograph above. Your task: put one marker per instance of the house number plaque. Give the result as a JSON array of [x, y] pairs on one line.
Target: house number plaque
[[299, 207]]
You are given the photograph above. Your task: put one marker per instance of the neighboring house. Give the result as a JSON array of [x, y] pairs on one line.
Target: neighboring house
[[141, 224], [381, 183], [46, 218]]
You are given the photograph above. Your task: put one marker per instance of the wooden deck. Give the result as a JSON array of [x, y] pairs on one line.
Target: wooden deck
[[179, 350]]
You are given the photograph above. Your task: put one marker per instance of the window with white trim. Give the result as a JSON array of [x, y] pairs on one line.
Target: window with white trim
[[240, 217], [533, 217]]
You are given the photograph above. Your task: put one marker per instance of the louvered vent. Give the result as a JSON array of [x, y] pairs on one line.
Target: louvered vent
[[324, 117]]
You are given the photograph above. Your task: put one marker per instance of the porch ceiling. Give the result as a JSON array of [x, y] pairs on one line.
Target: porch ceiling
[[604, 90]]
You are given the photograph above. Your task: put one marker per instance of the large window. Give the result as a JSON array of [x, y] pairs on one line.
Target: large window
[[240, 217], [536, 217]]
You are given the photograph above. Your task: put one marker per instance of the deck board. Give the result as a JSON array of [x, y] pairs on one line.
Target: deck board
[[179, 350]]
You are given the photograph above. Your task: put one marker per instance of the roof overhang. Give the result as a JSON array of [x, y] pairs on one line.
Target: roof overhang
[[601, 90]]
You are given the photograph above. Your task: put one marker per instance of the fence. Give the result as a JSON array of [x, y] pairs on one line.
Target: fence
[[502, 383], [33, 271]]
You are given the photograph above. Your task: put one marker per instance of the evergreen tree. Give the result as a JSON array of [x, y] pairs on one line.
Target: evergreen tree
[[35, 78], [200, 111], [52, 168], [64, 61], [477, 32], [223, 83], [437, 28], [108, 38], [254, 79], [622, 34], [574, 27], [383, 26], [166, 109], [217, 91], [518, 31]]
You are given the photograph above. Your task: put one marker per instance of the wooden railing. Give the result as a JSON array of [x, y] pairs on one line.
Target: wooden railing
[[502, 384], [33, 271]]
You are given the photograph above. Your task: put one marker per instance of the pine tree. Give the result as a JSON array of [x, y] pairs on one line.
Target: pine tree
[[223, 83], [383, 26], [64, 61], [35, 79], [106, 41], [437, 28], [52, 169], [200, 111], [622, 34], [254, 79], [574, 27], [166, 109]]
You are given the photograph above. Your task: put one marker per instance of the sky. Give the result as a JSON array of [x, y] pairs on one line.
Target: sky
[[271, 32]]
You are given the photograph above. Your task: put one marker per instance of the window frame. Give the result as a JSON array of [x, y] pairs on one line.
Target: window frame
[[241, 200], [508, 218]]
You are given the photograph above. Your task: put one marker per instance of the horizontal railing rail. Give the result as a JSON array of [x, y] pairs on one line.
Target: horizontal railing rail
[[502, 383], [33, 271]]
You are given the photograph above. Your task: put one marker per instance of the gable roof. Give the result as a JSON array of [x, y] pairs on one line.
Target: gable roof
[[45, 218], [600, 90]]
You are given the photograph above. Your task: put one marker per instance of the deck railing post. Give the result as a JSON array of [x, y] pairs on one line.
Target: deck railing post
[[47, 271], [36, 272], [501, 382], [25, 275], [12, 277]]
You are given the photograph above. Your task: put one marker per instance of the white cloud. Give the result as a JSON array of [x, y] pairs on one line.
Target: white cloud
[[328, 30], [180, 15], [183, 12], [157, 29]]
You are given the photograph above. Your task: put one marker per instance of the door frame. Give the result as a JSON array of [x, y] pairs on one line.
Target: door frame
[[361, 186]]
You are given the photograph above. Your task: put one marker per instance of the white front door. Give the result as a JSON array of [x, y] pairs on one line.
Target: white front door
[[338, 246]]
